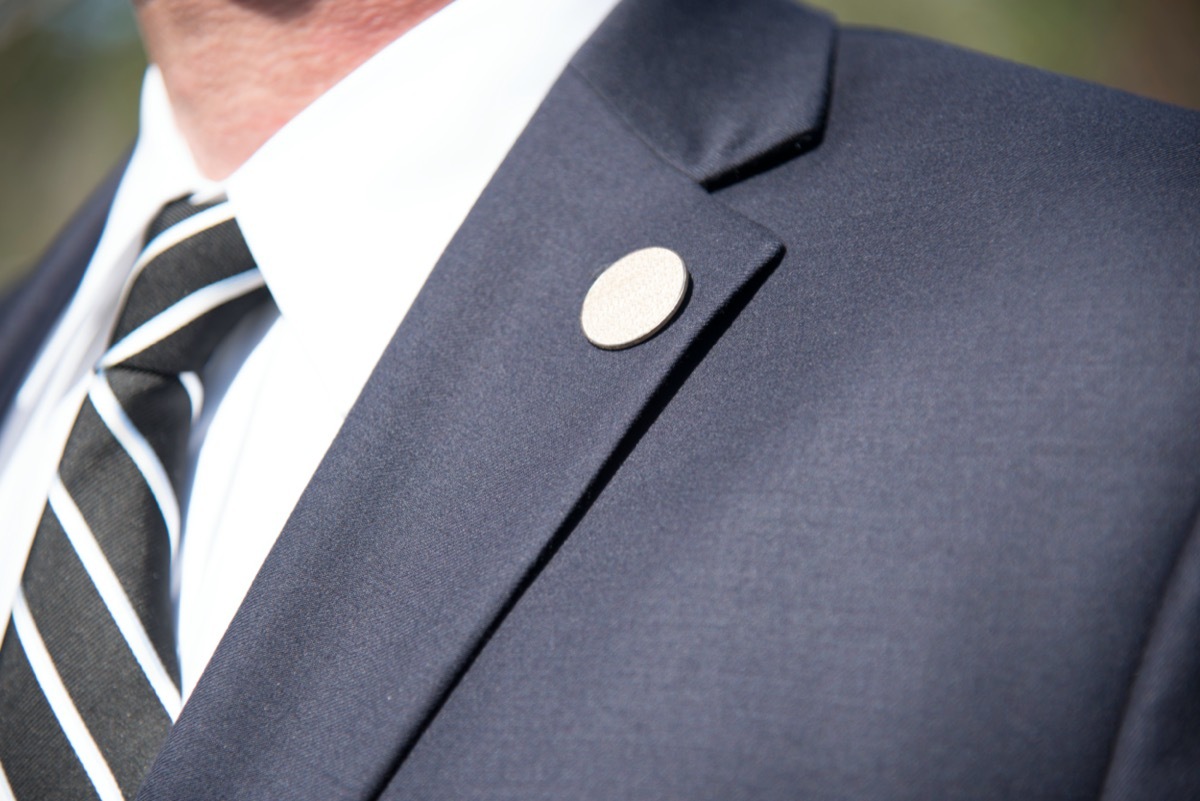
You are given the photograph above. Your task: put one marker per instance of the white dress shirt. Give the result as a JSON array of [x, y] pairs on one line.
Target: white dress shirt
[[346, 210]]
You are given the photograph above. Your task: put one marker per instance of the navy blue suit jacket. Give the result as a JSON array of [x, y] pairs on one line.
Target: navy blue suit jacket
[[902, 505]]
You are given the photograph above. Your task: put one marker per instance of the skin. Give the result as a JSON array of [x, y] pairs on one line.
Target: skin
[[237, 70]]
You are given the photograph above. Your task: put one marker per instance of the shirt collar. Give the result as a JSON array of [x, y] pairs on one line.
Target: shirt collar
[[406, 144], [160, 169]]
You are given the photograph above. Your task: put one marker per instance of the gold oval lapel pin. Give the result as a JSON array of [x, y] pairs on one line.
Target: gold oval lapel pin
[[634, 298]]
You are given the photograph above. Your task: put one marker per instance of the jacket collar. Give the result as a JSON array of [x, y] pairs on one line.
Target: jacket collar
[[721, 89], [487, 429]]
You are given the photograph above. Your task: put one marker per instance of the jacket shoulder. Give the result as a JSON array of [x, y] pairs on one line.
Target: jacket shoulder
[[978, 146], [923, 85]]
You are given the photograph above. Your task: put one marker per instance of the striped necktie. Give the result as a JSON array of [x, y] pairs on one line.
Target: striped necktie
[[89, 672]]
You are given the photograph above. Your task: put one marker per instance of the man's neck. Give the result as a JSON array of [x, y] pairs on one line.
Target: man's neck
[[238, 70]]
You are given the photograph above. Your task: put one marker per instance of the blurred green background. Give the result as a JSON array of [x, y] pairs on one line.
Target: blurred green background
[[70, 71]]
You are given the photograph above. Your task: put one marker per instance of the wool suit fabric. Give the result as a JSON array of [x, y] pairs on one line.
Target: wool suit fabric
[[903, 505]]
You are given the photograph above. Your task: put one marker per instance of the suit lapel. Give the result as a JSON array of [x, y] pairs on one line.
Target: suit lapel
[[484, 433]]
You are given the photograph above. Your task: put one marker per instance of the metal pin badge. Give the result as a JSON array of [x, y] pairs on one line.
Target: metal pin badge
[[634, 298]]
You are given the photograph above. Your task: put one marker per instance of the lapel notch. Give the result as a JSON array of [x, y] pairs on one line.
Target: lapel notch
[[722, 89]]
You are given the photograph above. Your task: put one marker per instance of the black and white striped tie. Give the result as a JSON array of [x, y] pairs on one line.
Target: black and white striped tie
[[89, 672]]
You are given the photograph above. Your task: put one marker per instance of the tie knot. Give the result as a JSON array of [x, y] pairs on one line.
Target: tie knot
[[194, 279]]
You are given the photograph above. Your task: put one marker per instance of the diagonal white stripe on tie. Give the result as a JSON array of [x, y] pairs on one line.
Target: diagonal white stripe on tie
[[61, 704], [144, 458], [195, 390], [6, 793], [109, 586], [175, 317], [181, 231]]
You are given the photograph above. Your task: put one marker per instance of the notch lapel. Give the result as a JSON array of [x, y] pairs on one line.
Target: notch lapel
[[484, 433]]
